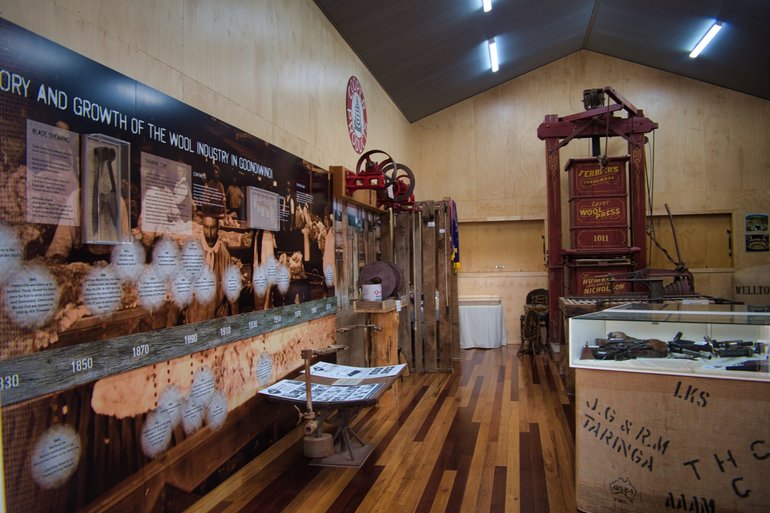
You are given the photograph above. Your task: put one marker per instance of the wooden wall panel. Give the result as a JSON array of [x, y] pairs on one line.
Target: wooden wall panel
[[704, 240], [715, 282], [485, 151], [515, 245], [277, 70]]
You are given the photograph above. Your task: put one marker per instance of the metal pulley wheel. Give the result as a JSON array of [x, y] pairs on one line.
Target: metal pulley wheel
[[387, 274], [399, 181], [399, 276], [367, 165]]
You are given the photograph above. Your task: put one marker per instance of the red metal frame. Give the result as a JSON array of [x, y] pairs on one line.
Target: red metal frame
[[595, 122], [370, 175]]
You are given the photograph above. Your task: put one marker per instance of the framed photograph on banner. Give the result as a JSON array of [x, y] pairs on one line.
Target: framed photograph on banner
[[262, 209], [53, 175], [757, 235], [105, 208]]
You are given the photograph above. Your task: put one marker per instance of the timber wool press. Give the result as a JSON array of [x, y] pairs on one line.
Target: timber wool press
[[607, 256]]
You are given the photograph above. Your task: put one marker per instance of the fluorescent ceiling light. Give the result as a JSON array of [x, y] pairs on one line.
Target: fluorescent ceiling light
[[493, 54], [487, 4], [706, 39]]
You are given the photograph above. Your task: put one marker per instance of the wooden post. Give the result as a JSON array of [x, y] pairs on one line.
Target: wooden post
[[387, 241], [443, 271], [419, 318], [555, 265], [430, 349], [453, 313], [384, 340], [637, 198], [402, 258], [454, 309]]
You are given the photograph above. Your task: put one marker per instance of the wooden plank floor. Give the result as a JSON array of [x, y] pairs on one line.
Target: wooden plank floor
[[496, 435]]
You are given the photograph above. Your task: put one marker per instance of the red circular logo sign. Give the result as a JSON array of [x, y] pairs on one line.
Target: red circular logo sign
[[355, 107]]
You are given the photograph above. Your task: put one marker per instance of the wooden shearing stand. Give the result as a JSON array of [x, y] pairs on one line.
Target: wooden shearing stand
[[596, 122]]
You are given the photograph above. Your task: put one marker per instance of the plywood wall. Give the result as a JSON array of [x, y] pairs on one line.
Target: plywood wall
[[711, 142], [710, 159], [504, 246], [275, 69], [704, 241], [278, 70]]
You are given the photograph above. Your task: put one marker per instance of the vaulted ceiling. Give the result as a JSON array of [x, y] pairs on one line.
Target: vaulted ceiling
[[431, 54]]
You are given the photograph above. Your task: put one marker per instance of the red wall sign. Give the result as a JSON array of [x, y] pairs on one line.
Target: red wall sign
[[600, 237], [608, 211], [588, 178], [355, 107], [597, 283]]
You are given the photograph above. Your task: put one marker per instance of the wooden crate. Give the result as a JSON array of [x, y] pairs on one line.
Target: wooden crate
[[648, 443]]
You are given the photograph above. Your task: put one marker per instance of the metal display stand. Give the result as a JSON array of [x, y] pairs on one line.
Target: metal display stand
[[348, 455], [350, 450]]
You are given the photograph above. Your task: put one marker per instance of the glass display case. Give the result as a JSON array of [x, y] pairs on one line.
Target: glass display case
[[105, 187], [720, 341]]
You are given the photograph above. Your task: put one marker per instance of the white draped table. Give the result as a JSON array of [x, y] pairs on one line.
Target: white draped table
[[481, 323]]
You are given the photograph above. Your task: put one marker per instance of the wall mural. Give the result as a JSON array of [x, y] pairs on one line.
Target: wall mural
[[157, 267]]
